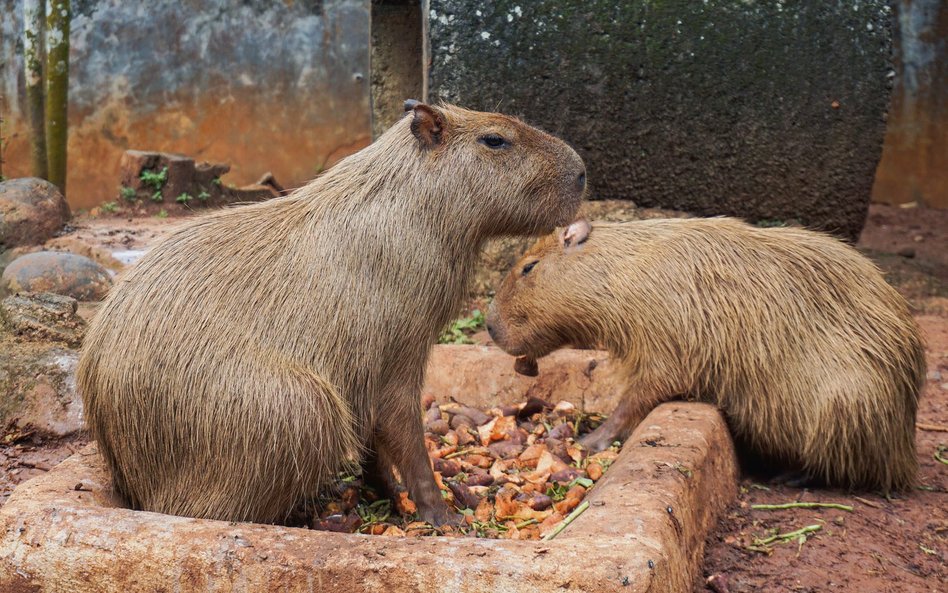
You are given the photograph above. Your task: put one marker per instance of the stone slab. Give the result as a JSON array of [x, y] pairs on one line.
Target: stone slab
[[644, 531]]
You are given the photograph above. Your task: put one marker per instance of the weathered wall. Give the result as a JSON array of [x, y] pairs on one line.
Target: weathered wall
[[914, 165], [768, 110], [280, 86]]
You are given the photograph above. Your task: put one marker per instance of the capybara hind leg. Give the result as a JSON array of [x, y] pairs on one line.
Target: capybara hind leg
[[620, 424], [286, 433], [402, 440]]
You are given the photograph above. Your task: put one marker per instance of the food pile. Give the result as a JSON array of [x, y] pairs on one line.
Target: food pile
[[513, 472]]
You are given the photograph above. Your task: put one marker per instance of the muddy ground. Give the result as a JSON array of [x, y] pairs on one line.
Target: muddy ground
[[883, 545]]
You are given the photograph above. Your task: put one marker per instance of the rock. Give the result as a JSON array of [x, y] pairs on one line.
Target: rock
[[182, 175], [31, 211], [38, 386], [707, 107], [43, 316], [176, 182], [61, 273]]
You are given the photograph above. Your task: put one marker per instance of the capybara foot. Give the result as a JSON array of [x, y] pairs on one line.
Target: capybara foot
[[439, 515], [796, 479], [600, 439]]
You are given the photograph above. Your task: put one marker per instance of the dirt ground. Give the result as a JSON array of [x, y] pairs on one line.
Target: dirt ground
[[883, 545], [886, 546]]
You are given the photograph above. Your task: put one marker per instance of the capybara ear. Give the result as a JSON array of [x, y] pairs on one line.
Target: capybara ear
[[427, 124], [575, 235]]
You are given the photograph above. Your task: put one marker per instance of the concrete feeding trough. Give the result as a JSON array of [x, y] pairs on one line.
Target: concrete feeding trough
[[644, 529]]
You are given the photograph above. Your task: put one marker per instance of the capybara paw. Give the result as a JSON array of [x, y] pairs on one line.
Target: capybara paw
[[597, 441], [796, 479], [440, 516], [526, 366]]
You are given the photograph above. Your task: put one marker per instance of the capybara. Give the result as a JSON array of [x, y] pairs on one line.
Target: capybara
[[795, 336], [258, 350]]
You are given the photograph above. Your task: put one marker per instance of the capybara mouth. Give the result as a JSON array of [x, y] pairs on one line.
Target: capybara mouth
[[526, 366], [570, 209]]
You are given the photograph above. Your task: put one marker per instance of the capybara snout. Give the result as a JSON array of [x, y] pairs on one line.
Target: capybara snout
[[795, 336]]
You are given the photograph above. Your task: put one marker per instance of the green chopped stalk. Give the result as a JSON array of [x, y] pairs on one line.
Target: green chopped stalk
[[801, 505], [569, 519], [785, 537]]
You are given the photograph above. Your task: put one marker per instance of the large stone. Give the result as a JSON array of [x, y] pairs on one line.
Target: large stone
[[57, 272], [31, 211], [38, 386], [43, 316], [766, 110]]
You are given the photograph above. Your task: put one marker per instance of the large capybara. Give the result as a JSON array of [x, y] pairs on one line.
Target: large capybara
[[795, 336], [256, 351]]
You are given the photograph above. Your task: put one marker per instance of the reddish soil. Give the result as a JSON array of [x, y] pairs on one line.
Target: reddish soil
[[25, 455], [894, 545]]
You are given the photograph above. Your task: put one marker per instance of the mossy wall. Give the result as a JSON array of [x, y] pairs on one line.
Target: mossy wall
[[771, 111]]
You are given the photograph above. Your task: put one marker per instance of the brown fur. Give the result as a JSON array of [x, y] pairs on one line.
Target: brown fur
[[813, 358], [256, 350]]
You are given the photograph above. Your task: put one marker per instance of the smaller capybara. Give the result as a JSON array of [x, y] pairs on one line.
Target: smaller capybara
[[795, 336], [256, 351]]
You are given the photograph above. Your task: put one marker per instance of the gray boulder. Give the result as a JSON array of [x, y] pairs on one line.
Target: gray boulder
[[62, 273]]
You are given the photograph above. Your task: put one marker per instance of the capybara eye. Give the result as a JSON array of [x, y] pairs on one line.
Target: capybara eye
[[526, 269], [492, 141]]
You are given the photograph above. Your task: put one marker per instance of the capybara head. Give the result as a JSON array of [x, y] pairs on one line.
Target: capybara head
[[515, 178], [536, 309]]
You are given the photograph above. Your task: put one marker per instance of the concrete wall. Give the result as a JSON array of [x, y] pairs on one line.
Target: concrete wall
[[769, 110], [264, 85], [284, 86], [914, 165]]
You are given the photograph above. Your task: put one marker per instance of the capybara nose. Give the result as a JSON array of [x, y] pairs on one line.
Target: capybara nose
[[581, 181], [491, 332]]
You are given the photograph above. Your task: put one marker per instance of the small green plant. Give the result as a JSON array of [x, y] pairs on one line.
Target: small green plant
[[162, 214], [127, 193], [156, 197], [769, 223], [459, 331], [203, 196], [558, 491], [156, 180], [110, 207], [184, 198], [376, 512], [216, 181]]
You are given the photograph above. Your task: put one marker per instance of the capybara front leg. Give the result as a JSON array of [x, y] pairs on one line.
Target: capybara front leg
[[401, 440], [620, 424]]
